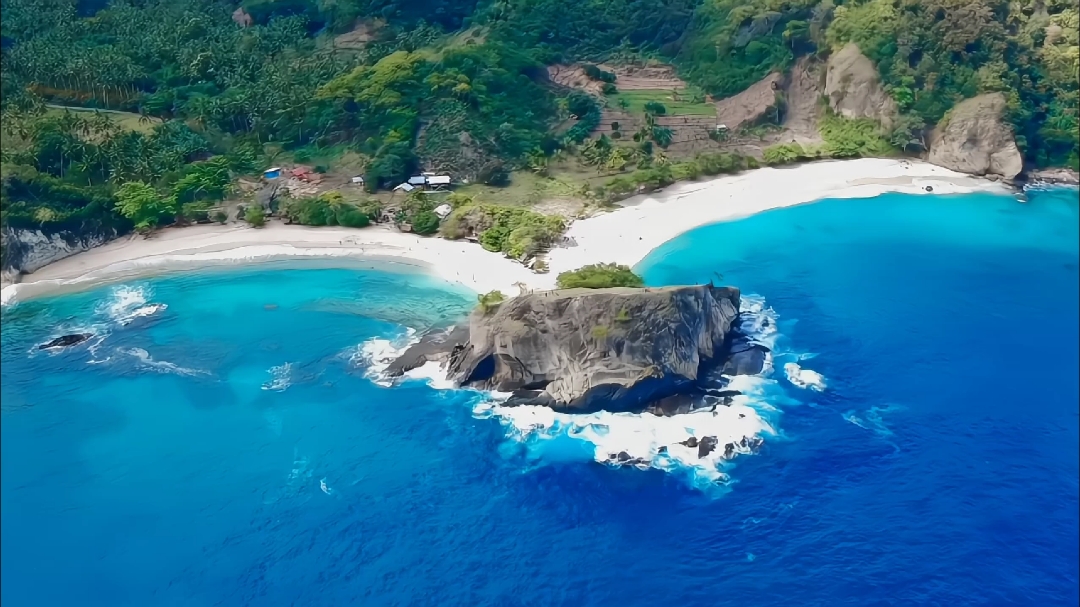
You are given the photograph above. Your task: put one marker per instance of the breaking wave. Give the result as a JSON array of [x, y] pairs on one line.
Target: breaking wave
[[376, 354]]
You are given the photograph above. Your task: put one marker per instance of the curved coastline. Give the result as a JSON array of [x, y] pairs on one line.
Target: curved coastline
[[624, 236]]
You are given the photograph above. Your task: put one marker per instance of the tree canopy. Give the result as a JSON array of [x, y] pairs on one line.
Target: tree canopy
[[213, 89]]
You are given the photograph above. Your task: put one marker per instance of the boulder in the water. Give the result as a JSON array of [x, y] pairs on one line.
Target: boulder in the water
[[435, 346], [66, 341], [745, 358], [706, 445]]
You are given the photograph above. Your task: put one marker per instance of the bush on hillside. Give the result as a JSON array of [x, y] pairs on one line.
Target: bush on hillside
[[425, 223], [255, 216], [519, 233]]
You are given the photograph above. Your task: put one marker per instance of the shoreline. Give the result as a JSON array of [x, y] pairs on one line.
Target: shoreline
[[626, 235]]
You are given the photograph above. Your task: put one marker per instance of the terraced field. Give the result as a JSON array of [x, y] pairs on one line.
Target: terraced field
[[676, 102]]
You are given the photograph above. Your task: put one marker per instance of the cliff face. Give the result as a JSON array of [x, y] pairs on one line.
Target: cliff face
[[974, 139], [587, 349], [854, 88], [25, 251]]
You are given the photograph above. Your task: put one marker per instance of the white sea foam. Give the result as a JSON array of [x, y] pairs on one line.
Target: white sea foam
[[376, 354], [161, 366], [280, 378], [433, 373], [804, 378], [127, 303], [642, 439]]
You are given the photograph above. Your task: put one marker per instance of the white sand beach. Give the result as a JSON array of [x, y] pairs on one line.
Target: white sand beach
[[624, 236]]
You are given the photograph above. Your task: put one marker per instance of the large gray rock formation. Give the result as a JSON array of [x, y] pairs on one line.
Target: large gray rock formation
[[587, 349], [973, 138], [25, 251], [854, 88]]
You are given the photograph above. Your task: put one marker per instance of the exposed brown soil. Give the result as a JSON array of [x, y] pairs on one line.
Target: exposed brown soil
[[573, 76], [645, 77], [363, 34], [803, 92], [751, 105]]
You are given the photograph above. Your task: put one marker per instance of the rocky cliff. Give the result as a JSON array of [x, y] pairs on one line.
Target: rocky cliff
[[854, 88], [588, 349], [974, 138], [25, 251]]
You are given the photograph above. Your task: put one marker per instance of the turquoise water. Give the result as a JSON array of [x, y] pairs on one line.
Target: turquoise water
[[234, 450]]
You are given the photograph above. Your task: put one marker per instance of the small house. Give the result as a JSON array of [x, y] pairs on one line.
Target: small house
[[430, 181], [273, 173], [438, 182], [405, 187], [443, 210], [358, 180]]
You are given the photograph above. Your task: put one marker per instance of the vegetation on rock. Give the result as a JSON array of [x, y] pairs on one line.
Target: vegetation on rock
[[490, 300], [599, 276]]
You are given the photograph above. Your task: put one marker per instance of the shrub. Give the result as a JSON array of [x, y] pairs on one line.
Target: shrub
[[655, 107], [599, 276], [595, 73], [520, 233], [846, 138], [352, 217], [785, 153], [220, 217], [425, 223], [328, 209], [372, 208], [490, 300], [609, 89], [255, 216]]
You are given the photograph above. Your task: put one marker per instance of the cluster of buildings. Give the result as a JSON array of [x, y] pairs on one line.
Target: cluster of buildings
[[425, 182]]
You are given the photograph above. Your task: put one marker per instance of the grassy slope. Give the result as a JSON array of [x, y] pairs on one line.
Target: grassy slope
[[637, 99]]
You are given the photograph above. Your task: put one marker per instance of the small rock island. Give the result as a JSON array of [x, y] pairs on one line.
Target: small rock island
[[585, 350]]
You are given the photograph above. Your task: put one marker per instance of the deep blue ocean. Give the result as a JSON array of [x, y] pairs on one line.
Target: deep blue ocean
[[233, 450]]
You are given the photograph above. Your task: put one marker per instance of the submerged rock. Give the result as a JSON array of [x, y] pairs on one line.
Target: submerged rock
[[66, 341], [591, 349]]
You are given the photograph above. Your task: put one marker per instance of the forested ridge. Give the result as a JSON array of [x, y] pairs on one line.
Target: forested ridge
[[222, 88]]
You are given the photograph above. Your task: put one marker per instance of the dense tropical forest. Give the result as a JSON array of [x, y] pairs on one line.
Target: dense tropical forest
[[194, 93]]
